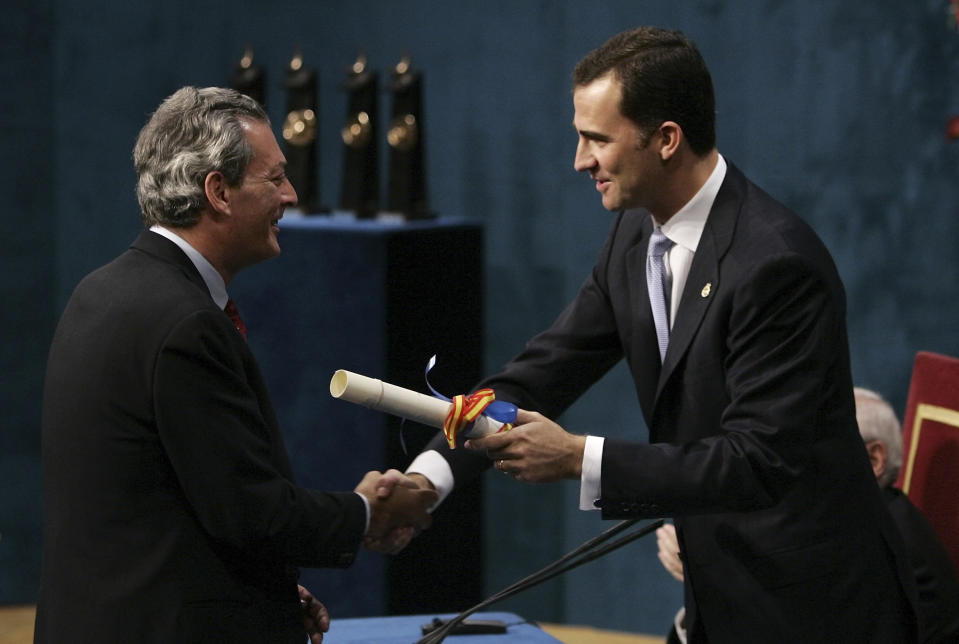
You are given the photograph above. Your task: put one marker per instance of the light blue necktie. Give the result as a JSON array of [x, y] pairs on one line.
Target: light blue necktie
[[659, 284]]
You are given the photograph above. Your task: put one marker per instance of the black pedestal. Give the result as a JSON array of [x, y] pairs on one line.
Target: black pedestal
[[377, 299]]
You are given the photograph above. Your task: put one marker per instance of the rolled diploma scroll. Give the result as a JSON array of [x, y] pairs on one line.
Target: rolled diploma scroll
[[397, 401]]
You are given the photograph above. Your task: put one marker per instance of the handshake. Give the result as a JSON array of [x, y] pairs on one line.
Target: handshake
[[399, 509]]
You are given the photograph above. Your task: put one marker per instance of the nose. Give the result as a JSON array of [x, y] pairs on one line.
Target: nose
[[289, 195], [584, 160]]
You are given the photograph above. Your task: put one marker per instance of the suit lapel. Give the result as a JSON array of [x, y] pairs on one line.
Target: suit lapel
[[161, 248], [703, 283], [698, 293]]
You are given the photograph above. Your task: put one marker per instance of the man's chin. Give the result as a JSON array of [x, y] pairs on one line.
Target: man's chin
[[274, 245], [271, 251], [612, 205]]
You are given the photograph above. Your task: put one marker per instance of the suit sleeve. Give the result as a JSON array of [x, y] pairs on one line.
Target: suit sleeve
[[230, 460], [558, 364], [783, 341]]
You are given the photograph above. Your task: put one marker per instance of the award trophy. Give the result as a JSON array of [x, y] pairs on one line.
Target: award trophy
[[360, 192], [407, 180], [300, 132], [250, 79]]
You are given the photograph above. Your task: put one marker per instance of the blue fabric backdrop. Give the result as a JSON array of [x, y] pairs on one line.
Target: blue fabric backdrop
[[837, 108]]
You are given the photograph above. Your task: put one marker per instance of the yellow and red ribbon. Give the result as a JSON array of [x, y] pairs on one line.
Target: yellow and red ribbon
[[464, 410]]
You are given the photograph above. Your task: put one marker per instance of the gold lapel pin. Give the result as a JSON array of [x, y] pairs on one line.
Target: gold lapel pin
[[706, 289]]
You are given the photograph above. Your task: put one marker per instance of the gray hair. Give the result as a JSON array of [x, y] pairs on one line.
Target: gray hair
[[192, 133], [877, 421]]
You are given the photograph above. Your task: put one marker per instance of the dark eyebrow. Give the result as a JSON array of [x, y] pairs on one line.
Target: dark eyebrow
[[595, 136]]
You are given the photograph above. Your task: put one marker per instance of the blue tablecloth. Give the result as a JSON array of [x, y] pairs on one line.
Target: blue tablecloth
[[406, 630]]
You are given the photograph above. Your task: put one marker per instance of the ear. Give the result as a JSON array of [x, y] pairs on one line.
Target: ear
[[877, 456], [217, 192], [671, 135]]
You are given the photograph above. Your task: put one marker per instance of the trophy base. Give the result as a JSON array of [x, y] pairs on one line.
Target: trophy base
[[381, 216], [405, 216], [296, 213]]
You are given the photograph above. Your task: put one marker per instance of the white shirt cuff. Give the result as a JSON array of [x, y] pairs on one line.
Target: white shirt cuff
[[366, 504], [679, 623], [436, 468], [589, 484]]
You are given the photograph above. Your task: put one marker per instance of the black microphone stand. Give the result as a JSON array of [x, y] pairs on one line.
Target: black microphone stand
[[587, 552]]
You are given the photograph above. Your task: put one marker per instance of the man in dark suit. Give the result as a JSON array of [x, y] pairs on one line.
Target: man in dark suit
[[936, 580], [171, 511], [937, 585], [731, 316]]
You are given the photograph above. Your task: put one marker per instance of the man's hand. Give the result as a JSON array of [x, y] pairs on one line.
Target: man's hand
[[315, 617], [536, 450], [669, 550], [398, 509], [398, 538]]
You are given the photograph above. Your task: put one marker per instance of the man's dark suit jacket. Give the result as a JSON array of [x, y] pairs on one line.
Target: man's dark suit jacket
[[935, 573], [753, 444], [171, 513]]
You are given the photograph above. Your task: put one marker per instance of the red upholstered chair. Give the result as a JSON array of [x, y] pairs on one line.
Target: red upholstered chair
[[930, 442]]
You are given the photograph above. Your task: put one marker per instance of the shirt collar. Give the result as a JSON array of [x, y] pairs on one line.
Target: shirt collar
[[686, 227], [211, 277]]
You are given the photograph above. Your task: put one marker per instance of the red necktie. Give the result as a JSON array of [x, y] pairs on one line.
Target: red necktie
[[234, 314]]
